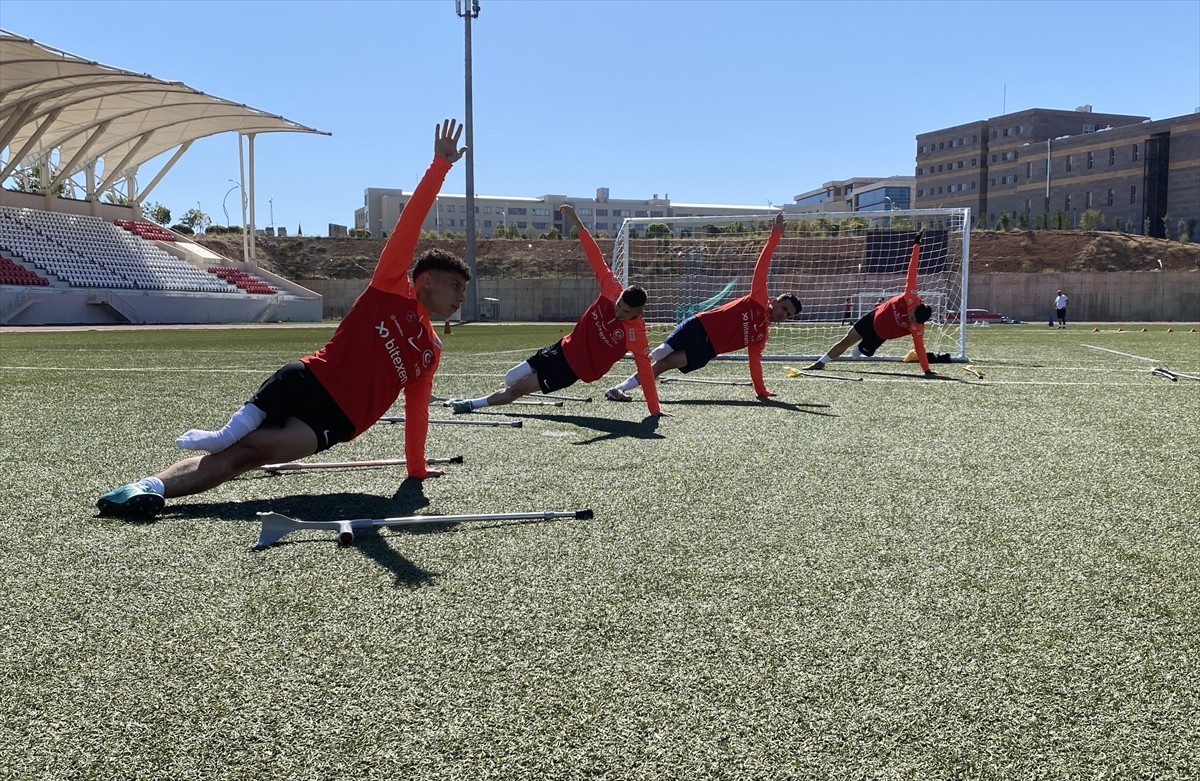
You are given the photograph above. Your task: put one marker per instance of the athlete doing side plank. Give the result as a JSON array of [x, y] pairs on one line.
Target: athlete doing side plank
[[741, 323], [609, 328], [385, 344], [898, 316]]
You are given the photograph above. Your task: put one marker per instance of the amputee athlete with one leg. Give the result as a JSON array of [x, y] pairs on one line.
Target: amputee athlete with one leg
[[385, 344], [609, 328], [901, 315], [741, 323]]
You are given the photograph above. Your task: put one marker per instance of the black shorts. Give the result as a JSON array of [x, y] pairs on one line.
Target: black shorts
[[553, 371], [691, 337], [871, 341], [293, 392]]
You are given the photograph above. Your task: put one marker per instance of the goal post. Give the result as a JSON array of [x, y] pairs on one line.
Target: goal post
[[839, 264]]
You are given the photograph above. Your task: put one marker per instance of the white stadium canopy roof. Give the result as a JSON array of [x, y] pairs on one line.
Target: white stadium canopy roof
[[80, 116]]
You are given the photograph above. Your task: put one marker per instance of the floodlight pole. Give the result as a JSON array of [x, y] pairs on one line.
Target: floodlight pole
[[470, 308]]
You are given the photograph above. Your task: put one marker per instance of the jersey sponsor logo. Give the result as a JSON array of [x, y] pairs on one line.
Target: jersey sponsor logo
[[393, 349], [427, 357]]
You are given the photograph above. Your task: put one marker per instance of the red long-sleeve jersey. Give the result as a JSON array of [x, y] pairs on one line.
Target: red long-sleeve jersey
[[386, 342], [746, 322], [891, 317], [599, 339]]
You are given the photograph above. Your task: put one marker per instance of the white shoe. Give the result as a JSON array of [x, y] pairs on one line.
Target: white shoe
[[616, 394]]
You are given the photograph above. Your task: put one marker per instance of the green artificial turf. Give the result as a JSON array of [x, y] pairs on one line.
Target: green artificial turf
[[955, 579]]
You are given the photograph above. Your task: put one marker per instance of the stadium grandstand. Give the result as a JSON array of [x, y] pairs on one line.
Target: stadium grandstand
[[69, 256]]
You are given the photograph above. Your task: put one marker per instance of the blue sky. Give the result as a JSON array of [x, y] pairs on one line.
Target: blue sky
[[740, 102]]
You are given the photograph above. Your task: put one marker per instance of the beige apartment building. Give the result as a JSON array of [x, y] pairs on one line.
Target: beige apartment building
[[1046, 168]]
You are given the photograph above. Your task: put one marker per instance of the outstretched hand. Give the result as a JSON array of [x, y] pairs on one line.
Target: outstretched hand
[[445, 140], [568, 211], [777, 223]]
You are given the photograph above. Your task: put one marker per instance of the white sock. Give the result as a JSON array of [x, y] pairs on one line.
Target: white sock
[[153, 484], [824, 359], [856, 353], [479, 403], [629, 384], [242, 423]]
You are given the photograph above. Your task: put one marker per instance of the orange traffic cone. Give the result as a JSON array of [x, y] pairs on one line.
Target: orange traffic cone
[[1170, 330], [1095, 330], [446, 328], [1142, 331]]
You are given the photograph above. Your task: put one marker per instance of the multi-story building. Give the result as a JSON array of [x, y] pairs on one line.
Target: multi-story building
[[529, 216], [860, 193], [1048, 167]]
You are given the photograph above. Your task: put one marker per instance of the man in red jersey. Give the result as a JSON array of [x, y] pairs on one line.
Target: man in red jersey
[[611, 326], [741, 323], [385, 344], [898, 316]]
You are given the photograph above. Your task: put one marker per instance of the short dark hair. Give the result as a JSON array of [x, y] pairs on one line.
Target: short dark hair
[[438, 259], [922, 313], [634, 296], [795, 301]]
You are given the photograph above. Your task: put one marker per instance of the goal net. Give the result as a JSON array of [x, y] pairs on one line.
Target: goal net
[[840, 266]]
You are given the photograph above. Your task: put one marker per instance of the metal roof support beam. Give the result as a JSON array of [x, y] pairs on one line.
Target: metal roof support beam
[[121, 167], [83, 150], [13, 124], [154, 182], [242, 198], [29, 145]]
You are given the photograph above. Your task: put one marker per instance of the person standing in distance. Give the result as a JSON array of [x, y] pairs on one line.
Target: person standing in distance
[[1060, 309]]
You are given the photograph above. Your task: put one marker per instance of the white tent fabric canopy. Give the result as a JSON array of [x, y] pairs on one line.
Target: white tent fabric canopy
[[55, 102]]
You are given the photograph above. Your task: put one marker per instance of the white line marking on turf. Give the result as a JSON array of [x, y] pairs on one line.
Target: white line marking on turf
[[1127, 355]]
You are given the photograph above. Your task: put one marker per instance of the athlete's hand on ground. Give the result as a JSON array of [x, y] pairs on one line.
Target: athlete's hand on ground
[[931, 375], [445, 140], [765, 396], [432, 473], [662, 413]]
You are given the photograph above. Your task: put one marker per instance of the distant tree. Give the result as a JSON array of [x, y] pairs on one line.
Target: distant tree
[[1091, 219], [1183, 231], [1023, 221], [500, 232], [553, 233], [186, 230], [1118, 224], [156, 212], [29, 180], [1039, 221], [1146, 227], [114, 197], [1002, 223], [359, 233], [658, 230], [1166, 220], [195, 219], [1060, 221]]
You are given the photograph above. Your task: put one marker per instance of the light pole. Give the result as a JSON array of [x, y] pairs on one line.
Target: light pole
[[224, 208], [468, 10], [271, 202]]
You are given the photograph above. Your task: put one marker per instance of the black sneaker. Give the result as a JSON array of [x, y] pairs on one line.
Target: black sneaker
[[131, 501]]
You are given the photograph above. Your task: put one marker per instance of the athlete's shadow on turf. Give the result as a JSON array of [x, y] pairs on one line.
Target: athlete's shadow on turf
[[647, 428], [776, 403], [408, 499]]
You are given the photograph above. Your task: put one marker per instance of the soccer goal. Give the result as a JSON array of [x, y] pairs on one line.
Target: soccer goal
[[840, 265]]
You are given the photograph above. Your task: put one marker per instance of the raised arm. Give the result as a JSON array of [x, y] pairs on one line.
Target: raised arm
[[919, 346], [758, 284], [397, 254], [910, 284], [591, 249]]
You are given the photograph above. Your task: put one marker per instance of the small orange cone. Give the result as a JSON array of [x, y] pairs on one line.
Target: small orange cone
[[446, 328], [1170, 330], [1095, 330], [1122, 328], [1142, 331]]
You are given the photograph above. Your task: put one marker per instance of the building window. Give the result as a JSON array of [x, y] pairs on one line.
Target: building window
[[939, 191], [1090, 158], [975, 139], [993, 158], [1068, 164], [487, 223], [972, 162], [959, 164], [972, 185], [1135, 153], [1028, 170], [1111, 196], [994, 134], [992, 182], [939, 166], [1088, 200], [920, 193], [541, 212], [521, 210], [1067, 203], [1027, 206], [602, 212], [1112, 156], [941, 144], [1089, 128], [1133, 191]]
